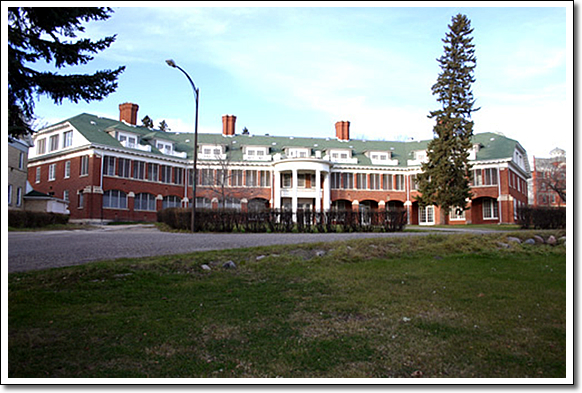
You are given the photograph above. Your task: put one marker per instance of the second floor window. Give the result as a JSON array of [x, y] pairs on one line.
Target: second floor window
[[84, 166]]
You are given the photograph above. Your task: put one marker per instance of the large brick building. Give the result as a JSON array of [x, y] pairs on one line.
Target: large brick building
[[116, 170]]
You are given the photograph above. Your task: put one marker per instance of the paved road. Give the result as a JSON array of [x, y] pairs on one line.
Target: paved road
[[42, 250]]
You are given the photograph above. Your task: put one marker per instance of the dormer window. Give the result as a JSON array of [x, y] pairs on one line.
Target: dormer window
[[212, 152], [298, 152], [127, 140], [418, 157], [165, 147], [256, 153], [343, 156]]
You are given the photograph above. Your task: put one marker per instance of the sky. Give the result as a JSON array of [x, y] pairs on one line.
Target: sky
[[292, 69]]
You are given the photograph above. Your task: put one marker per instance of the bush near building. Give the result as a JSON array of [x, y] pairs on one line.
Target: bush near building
[[541, 217], [30, 219], [277, 221]]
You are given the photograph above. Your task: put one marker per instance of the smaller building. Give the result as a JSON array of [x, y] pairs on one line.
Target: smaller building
[[548, 181], [17, 171]]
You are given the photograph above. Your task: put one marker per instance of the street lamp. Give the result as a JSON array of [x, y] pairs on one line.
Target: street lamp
[[171, 63]]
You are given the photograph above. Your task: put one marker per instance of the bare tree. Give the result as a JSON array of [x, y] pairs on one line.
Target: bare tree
[[552, 173]]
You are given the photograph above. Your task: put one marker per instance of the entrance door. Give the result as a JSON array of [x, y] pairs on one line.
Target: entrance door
[[426, 215]]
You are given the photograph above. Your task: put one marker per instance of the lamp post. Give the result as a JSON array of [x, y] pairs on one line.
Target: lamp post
[[171, 63]]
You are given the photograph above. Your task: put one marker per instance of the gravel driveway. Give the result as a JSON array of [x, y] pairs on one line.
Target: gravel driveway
[[43, 250]]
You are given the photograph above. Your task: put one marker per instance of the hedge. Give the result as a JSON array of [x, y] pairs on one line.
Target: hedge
[[31, 219], [277, 221], [541, 217]]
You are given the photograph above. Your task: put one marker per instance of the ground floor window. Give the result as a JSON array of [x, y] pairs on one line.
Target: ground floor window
[[145, 201], [171, 201], [490, 209], [115, 199], [426, 215], [457, 213]]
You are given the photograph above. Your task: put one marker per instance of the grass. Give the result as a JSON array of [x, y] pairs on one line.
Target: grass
[[432, 306]]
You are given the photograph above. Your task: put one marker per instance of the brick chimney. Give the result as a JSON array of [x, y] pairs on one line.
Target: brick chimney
[[128, 113], [342, 130], [228, 125]]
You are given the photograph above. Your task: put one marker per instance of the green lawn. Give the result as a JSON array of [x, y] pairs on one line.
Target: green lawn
[[432, 306]]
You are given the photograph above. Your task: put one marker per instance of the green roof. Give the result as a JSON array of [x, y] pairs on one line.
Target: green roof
[[96, 130]]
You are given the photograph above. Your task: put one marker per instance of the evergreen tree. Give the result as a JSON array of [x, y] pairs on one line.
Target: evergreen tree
[[47, 34], [147, 122], [446, 175]]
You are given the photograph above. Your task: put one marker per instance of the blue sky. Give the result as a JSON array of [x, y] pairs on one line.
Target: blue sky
[[293, 70]]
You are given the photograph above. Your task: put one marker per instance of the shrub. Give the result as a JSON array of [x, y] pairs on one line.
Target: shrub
[[277, 221], [30, 219], [541, 217]]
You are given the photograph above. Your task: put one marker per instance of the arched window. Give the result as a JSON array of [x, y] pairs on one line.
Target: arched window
[[145, 201], [115, 199], [171, 201]]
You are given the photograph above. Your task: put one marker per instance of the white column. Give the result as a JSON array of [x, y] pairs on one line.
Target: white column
[[318, 190], [277, 191], [326, 191], [294, 200]]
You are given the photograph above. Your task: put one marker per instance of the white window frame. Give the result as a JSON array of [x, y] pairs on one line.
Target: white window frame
[[52, 172], [426, 215], [67, 139], [67, 169], [455, 216], [84, 166], [491, 210], [54, 142], [37, 179]]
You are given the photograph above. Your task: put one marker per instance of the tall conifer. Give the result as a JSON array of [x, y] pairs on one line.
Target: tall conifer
[[446, 175], [46, 34]]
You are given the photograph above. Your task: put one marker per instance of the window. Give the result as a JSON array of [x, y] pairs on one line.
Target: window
[[124, 167], [145, 201], [54, 143], [41, 146], [387, 182], [335, 179], [153, 170], [207, 177], [375, 182], [67, 139], [251, 179], [286, 180], [84, 166], [165, 174], [81, 199], [361, 181], [37, 180], [115, 199], [171, 201], [139, 170], [490, 209], [399, 179], [304, 180], [67, 169], [66, 195], [485, 177], [21, 161], [109, 166], [347, 181], [19, 196], [52, 173], [426, 215], [456, 213], [265, 179], [10, 194], [236, 178], [178, 175]]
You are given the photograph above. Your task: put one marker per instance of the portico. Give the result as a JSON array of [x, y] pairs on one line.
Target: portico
[[302, 183]]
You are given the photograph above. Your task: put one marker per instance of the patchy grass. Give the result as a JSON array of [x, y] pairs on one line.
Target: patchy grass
[[431, 306]]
